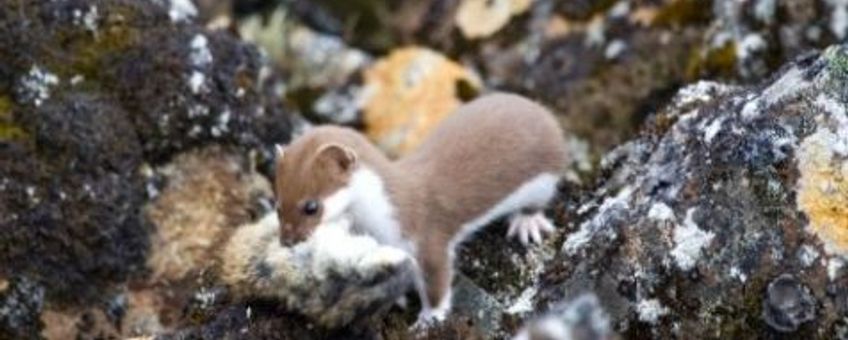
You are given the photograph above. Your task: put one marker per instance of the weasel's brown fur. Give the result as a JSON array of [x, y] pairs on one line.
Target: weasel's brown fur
[[478, 156]]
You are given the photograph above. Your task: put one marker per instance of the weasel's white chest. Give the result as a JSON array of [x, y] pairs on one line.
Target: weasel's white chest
[[372, 211]]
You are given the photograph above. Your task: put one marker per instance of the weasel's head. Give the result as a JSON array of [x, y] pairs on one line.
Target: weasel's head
[[311, 183]]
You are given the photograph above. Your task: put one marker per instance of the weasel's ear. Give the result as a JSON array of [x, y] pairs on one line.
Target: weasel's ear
[[338, 155]]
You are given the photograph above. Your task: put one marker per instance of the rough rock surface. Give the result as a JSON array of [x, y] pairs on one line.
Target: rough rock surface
[[712, 222], [91, 92], [408, 94]]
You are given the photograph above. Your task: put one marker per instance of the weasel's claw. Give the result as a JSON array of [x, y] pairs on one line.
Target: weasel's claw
[[529, 228]]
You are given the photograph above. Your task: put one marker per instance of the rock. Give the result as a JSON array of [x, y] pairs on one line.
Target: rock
[[697, 224], [583, 318], [21, 302], [311, 59], [91, 92], [70, 197], [408, 93], [482, 308], [788, 304], [364, 24], [822, 185]]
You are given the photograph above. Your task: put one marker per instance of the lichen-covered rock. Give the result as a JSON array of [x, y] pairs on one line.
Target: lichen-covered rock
[[409, 93], [92, 91], [583, 318], [711, 223], [69, 198], [379, 25], [21, 301]]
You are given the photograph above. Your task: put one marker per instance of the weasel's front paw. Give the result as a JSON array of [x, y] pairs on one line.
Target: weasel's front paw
[[529, 227]]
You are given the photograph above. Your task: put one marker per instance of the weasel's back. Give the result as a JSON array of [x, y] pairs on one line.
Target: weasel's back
[[487, 149]]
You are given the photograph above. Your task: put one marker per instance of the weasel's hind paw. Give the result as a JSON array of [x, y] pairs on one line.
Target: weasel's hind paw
[[529, 228]]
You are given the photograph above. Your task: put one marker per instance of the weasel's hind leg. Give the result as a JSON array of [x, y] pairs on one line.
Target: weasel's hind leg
[[529, 227]]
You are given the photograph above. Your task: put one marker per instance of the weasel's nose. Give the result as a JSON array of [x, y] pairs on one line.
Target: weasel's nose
[[289, 236]]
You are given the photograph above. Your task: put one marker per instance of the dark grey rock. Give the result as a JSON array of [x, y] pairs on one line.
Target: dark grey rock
[[696, 226], [788, 304], [91, 90], [20, 309]]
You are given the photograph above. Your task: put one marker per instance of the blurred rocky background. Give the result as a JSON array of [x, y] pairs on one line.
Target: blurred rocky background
[[706, 197]]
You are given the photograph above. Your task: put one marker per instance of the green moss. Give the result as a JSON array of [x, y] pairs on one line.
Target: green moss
[[743, 322], [9, 130], [584, 10], [716, 62], [88, 52], [837, 60], [683, 12]]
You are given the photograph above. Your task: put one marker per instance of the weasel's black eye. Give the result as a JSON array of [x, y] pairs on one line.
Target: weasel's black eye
[[311, 207]]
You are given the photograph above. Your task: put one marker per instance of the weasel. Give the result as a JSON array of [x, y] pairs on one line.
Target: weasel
[[497, 155]]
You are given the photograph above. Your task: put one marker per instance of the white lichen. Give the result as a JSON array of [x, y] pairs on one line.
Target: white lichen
[[222, 123], [712, 130], [702, 91], [651, 310], [198, 111], [199, 54], [578, 149], [620, 10], [808, 255], [615, 48], [689, 242], [612, 205], [77, 79], [197, 82], [524, 302], [88, 19], [35, 85], [206, 297], [181, 10], [835, 138], [595, 33], [834, 267], [765, 10], [343, 106], [792, 82], [661, 212], [325, 60], [749, 45], [570, 320], [737, 273]]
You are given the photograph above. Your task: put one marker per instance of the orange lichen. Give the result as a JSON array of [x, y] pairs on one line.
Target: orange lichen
[[823, 190], [409, 93]]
